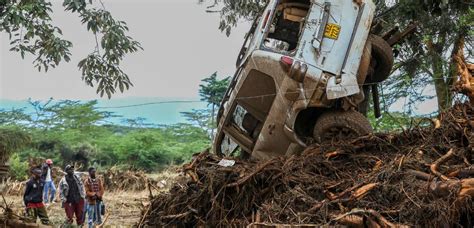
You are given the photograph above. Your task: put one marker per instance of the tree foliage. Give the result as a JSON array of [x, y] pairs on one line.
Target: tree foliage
[[69, 114], [426, 58], [13, 116], [31, 31], [11, 140], [18, 168], [200, 118], [212, 91], [73, 131], [233, 11]]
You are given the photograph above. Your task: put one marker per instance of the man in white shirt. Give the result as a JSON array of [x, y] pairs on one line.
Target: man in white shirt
[[49, 187]]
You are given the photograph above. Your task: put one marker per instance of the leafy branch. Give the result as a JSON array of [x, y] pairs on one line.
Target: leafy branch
[[31, 31]]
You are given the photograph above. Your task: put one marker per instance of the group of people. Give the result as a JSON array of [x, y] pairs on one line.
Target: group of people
[[78, 198]]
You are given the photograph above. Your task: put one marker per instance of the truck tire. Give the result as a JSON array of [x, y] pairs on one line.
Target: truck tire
[[364, 65], [382, 55], [336, 125]]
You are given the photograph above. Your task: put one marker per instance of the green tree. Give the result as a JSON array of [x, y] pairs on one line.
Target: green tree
[[66, 130], [12, 139], [31, 31], [427, 56], [13, 117], [18, 167], [138, 122], [213, 91], [68, 114], [200, 118], [73, 131]]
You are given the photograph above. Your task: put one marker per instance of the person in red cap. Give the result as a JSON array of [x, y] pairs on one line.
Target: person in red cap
[[47, 176]]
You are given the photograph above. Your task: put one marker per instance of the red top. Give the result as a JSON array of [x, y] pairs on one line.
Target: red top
[[35, 205]]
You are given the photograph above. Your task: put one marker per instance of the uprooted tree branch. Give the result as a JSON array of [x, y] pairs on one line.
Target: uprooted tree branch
[[419, 177]]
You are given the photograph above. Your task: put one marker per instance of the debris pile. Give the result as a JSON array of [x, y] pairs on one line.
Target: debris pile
[[419, 177], [118, 180], [14, 188], [113, 179]]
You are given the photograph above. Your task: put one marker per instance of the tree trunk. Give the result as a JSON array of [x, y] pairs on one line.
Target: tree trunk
[[458, 51], [445, 78], [443, 93], [442, 88]]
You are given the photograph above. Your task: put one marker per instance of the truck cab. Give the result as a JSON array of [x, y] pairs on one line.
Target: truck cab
[[299, 78]]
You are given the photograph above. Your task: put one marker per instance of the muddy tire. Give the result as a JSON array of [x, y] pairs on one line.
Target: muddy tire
[[341, 125], [382, 55], [364, 63]]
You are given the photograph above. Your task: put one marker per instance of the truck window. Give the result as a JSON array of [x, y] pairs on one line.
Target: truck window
[[246, 122], [229, 147], [287, 25]]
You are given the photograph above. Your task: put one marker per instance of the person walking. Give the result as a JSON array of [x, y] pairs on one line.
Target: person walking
[[33, 198], [94, 193], [47, 176], [72, 196]]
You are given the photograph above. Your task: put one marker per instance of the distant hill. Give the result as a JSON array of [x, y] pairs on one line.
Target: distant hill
[[155, 110]]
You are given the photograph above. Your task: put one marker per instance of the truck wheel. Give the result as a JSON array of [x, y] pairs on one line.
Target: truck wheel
[[382, 55], [341, 125]]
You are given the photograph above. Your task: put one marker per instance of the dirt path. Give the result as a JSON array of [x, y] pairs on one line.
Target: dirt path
[[124, 208]]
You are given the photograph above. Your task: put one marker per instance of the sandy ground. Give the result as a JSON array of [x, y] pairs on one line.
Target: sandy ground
[[124, 208]]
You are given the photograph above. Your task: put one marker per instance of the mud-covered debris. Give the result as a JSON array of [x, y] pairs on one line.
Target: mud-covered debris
[[419, 177]]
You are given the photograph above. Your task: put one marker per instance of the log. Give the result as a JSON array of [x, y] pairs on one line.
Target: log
[[379, 219], [257, 170], [441, 160], [363, 191]]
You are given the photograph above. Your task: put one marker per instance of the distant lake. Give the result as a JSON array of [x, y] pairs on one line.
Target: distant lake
[[155, 110]]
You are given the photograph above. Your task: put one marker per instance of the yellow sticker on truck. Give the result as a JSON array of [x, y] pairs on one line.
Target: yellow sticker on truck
[[332, 31]]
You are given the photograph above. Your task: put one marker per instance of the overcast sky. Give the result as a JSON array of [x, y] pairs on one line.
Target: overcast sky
[[182, 45]]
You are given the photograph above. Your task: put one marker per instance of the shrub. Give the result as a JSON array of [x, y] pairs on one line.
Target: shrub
[[18, 168]]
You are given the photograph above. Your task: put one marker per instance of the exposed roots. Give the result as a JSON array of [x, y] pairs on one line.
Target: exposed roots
[[382, 180]]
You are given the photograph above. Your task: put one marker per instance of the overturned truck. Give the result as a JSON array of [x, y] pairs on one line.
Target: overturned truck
[[285, 96], [304, 74]]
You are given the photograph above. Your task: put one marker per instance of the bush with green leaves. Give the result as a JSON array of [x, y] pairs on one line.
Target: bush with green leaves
[[18, 168]]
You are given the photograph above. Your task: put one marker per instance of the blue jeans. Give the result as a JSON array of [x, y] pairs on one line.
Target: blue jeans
[[49, 185], [93, 214]]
